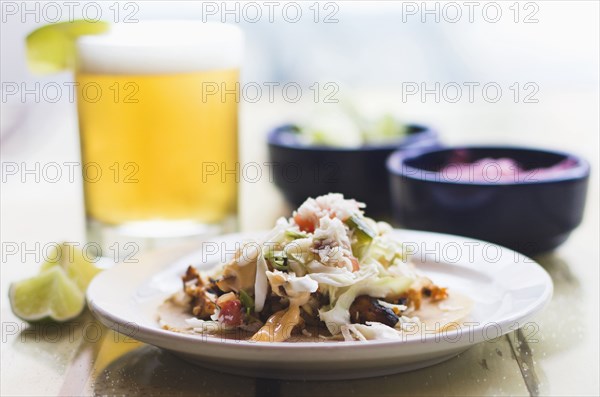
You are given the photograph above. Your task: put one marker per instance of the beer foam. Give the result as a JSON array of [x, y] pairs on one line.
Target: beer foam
[[161, 47]]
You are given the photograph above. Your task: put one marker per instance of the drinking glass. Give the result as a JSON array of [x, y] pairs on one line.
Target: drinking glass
[[158, 122]]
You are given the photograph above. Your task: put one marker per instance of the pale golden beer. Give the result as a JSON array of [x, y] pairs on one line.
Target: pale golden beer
[[151, 153], [148, 128]]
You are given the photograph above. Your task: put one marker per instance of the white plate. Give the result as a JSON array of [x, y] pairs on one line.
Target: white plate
[[506, 287]]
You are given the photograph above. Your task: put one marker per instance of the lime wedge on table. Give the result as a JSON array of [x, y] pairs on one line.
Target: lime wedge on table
[[77, 267], [58, 292], [49, 295], [51, 48]]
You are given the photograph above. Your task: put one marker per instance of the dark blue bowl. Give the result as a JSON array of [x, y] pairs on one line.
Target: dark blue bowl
[[302, 171], [531, 216]]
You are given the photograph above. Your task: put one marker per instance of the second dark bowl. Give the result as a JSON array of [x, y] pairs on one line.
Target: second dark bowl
[[531, 216], [302, 171]]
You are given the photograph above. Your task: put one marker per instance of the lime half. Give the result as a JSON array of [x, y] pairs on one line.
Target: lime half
[[51, 295], [51, 48]]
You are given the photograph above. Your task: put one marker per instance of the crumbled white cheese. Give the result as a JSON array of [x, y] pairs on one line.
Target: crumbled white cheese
[[401, 308]]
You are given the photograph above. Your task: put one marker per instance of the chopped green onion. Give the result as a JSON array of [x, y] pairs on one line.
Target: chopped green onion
[[294, 234], [280, 263], [364, 235], [278, 259], [364, 232], [246, 300]]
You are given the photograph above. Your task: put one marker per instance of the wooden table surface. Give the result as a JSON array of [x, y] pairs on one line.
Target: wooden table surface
[[84, 358]]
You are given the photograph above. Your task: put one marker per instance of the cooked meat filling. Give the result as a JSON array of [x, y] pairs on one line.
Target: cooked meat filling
[[364, 308], [193, 286]]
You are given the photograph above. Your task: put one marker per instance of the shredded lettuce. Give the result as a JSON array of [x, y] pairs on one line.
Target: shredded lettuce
[[278, 259], [339, 313], [384, 250], [340, 277], [299, 250], [369, 331], [292, 284], [261, 284], [295, 234]]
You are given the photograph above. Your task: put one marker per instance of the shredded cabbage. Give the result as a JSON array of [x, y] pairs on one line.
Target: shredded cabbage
[[369, 331], [319, 261], [339, 314], [261, 285]]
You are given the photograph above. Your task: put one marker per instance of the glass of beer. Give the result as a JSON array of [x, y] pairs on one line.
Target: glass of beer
[[158, 119]]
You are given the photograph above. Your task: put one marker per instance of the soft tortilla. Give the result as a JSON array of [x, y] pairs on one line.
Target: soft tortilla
[[172, 315], [449, 314]]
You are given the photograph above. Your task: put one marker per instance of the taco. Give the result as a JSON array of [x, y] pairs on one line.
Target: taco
[[328, 272]]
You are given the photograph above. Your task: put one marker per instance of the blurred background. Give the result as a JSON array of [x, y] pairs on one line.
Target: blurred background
[[373, 52], [542, 56]]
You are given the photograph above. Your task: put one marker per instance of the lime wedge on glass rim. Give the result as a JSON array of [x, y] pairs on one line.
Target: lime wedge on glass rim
[[51, 48], [57, 293]]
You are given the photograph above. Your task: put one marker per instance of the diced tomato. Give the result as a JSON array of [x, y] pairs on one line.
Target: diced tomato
[[231, 313], [355, 266], [304, 224]]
